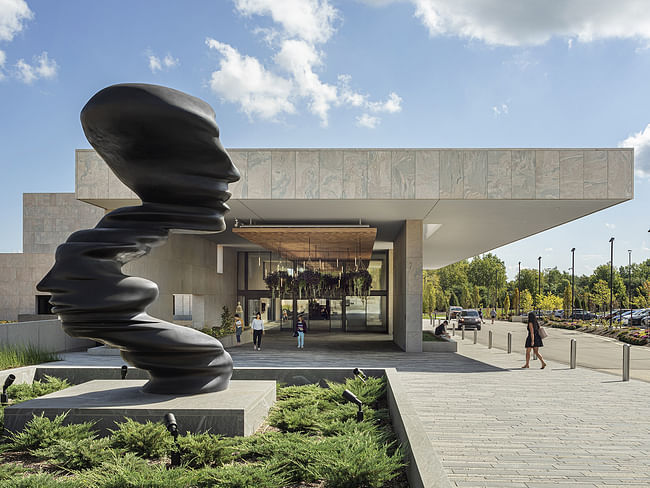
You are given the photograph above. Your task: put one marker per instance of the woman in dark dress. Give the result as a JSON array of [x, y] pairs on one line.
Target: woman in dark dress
[[533, 341]]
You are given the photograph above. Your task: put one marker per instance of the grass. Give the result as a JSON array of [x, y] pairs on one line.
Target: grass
[[428, 336], [311, 437], [16, 356]]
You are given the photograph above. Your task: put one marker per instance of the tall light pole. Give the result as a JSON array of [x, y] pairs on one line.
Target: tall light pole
[[519, 288], [496, 289], [539, 281], [611, 279], [573, 274], [629, 280]]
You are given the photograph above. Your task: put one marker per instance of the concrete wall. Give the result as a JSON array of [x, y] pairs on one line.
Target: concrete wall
[[49, 218], [46, 335], [399, 174], [407, 295], [188, 264], [19, 274]]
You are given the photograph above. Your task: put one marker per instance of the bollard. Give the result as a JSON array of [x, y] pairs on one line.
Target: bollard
[[572, 359], [626, 362], [475, 336], [453, 328], [534, 354], [509, 342], [490, 340], [462, 332]]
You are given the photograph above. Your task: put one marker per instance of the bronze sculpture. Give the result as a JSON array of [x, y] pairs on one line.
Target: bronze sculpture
[[164, 145]]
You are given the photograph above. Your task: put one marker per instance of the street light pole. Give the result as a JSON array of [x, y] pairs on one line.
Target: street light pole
[[539, 282], [629, 283], [611, 279], [496, 289], [519, 288], [573, 273]]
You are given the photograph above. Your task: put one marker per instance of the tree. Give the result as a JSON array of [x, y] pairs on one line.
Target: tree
[[566, 302], [506, 305], [515, 302], [526, 301], [643, 295], [549, 301], [600, 294], [465, 297], [476, 297], [487, 270], [529, 280]]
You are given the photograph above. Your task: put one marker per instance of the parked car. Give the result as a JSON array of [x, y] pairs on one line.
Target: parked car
[[579, 314], [470, 319], [559, 314], [454, 312], [639, 318]]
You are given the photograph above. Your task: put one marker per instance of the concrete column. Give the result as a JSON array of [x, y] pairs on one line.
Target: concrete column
[[407, 295]]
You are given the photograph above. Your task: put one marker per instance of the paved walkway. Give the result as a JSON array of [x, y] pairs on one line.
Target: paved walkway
[[593, 351], [491, 422]]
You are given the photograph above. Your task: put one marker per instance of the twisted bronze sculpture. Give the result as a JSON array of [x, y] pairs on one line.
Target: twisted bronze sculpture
[[164, 145]]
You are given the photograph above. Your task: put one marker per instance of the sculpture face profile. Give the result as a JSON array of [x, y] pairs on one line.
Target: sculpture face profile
[[164, 145]]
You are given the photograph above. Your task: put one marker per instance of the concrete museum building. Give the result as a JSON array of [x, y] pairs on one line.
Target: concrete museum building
[[391, 211]]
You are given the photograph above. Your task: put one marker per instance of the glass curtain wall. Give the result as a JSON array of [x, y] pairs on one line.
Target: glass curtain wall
[[323, 313]]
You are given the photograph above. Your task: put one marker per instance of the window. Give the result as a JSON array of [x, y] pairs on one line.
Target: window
[[182, 307]]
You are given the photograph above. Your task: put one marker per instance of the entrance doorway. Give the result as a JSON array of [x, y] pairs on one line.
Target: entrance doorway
[[321, 314]]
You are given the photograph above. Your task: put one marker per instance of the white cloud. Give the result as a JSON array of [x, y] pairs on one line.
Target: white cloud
[[43, 67], [301, 26], [12, 15], [157, 64], [367, 121], [243, 80], [610, 226], [154, 63], [548, 249], [533, 22], [309, 20], [170, 62], [569, 43], [499, 110], [641, 144]]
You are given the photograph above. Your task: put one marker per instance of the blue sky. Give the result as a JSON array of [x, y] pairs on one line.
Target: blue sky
[[327, 73]]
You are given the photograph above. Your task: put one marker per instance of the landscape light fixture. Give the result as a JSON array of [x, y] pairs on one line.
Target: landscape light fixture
[[360, 374], [124, 370], [352, 398], [4, 399], [172, 427]]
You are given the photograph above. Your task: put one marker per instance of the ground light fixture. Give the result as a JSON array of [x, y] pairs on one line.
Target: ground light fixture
[[4, 399], [124, 370], [351, 397], [360, 374], [172, 427]]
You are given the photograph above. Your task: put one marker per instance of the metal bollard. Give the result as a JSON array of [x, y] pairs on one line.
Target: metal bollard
[[453, 328], [462, 332], [490, 340], [509, 342], [572, 360], [475, 336], [534, 355], [626, 362]]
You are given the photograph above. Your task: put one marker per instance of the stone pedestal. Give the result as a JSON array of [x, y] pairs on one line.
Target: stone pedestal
[[239, 410]]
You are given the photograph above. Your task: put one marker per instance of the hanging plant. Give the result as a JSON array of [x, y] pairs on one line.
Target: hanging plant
[[272, 281], [314, 284]]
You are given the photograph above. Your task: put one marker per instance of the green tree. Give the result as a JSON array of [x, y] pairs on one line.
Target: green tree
[[506, 305], [566, 302], [476, 297], [529, 280], [526, 301], [600, 294], [515, 302], [549, 302]]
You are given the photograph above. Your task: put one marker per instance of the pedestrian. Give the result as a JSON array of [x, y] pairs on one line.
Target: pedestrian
[[301, 328], [239, 325], [480, 314], [533, 340], [441, 330], [258, 330], [493, 314]]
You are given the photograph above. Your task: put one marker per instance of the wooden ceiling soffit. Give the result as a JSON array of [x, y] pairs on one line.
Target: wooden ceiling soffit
[[303, 243]]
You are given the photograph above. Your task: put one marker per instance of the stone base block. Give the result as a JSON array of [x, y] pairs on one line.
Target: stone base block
[[237, 411], [445, 345]]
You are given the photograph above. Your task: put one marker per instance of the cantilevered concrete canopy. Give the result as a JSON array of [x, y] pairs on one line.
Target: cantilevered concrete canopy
[[469, 201]]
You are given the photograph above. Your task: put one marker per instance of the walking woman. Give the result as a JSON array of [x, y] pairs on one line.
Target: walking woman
[[301, 328], [258, 330], [533, 341]]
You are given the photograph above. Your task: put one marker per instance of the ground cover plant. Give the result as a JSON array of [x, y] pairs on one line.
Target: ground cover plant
[[16, 356], [429, 336], [311, 438], [631, 335]]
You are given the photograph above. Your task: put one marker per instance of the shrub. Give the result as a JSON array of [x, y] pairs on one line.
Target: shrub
[[40, 480], [41, 432], [242, 476], [8, 471], [24, 392], [78, 454], [357, 460], [149, 440], [370, 392], [16, 356], [199, 450]]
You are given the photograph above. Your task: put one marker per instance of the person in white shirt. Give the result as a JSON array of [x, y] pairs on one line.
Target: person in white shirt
[[258, 330]]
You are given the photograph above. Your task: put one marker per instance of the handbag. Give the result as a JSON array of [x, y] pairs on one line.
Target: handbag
[[295, 333], [542, 332]]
